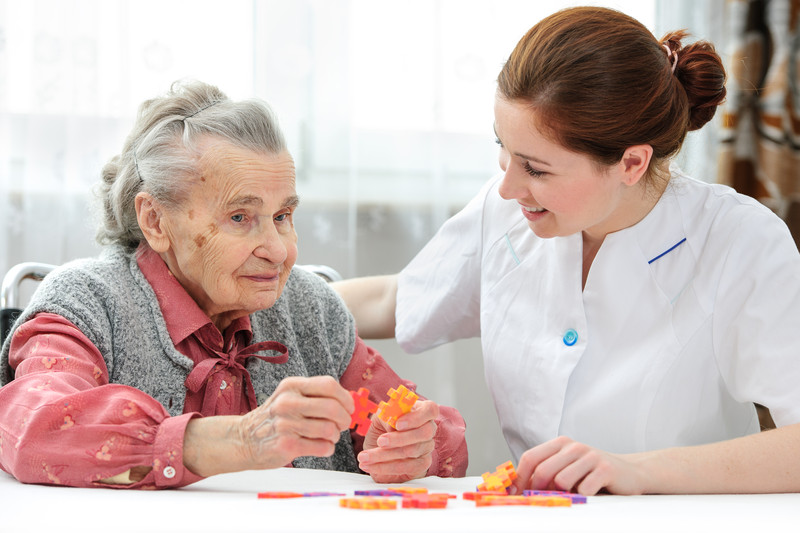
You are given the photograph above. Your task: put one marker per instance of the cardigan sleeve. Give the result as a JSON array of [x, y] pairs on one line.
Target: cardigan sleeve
[[370, 370], [63, 423]]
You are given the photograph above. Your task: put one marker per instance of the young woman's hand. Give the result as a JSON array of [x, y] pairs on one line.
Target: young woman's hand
[[563, 464]]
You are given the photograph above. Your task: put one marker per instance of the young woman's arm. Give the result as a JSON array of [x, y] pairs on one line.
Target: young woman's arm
[[372, 301], [760, 463]]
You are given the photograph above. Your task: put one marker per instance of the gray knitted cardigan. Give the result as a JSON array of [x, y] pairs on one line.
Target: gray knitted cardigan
[[111, 302]]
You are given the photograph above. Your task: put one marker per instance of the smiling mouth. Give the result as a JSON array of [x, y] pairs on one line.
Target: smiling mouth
[[262, 278], [534, 209]]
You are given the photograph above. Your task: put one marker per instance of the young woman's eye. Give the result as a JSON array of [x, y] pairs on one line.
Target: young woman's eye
[[532, 171], [498, 142]]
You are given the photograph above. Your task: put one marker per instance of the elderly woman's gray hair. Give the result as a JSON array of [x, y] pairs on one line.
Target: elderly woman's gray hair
[[160, 154]]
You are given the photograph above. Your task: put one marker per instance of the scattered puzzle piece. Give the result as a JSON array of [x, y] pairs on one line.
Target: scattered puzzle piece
[[576, 498], [500, 479], [541, 501], [368, 502], [319, 494], [279, 494], [402, 491], [378, 492], [480, 494], [426, 501], [364, 407], [400, 402]]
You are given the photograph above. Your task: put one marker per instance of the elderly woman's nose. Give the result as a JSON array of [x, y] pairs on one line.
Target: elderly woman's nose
[[272, 246]]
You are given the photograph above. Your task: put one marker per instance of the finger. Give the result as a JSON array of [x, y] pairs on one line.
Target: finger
[[599, 474], [309, 428], [294, 447], [389, 455], [575, 473], [320, 387], [263, 429], [546, 472], [396, 439], [422, 412], [280, 440], [308, 409], [531, 459], [400, 471]]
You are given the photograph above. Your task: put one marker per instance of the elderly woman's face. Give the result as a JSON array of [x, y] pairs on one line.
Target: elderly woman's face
[[232, 244]]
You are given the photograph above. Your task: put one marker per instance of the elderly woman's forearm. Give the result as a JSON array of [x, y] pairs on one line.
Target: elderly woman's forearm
[[213, 445], [372, 301]]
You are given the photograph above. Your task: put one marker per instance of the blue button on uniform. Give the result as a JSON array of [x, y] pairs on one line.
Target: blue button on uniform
[[570, 337]]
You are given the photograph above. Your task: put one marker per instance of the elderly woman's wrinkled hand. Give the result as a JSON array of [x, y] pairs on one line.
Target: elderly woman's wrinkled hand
[[304, 416], [396, 455]]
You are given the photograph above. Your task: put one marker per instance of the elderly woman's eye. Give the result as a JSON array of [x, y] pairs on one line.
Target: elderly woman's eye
[[239, 217], [282, 217]]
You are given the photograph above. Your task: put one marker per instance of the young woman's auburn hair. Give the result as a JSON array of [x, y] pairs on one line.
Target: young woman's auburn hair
[[600, 82]]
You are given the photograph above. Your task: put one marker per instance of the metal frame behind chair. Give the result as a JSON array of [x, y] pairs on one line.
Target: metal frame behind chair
[[9, 292], [324, 271]]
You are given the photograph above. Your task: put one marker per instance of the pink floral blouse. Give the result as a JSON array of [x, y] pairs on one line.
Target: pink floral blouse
[[61, 383]]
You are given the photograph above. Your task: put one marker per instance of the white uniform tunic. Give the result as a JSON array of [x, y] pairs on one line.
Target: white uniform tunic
[[686, 319]]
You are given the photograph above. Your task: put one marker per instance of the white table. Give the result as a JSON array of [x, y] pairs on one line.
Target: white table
[[229, 503]]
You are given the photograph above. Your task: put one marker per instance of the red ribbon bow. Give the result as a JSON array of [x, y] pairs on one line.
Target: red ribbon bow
[[208, 371]]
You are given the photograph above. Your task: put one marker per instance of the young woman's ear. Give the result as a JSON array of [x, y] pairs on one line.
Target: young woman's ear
[[635, 162], [148, 214]]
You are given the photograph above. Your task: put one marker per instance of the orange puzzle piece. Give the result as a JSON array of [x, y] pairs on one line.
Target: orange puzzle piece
[[500, 479], [542, 501], [407, 491], [400, 402], [368, 502], [360, 417]]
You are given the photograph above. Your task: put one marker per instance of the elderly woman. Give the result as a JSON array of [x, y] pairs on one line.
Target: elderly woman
[[191, 347]]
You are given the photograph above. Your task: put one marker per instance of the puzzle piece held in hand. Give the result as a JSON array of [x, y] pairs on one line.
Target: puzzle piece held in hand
[[500, 479], [400, 402], [360, 417]]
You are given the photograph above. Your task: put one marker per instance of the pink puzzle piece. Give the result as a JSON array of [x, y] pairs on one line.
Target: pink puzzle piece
[[364, 407]]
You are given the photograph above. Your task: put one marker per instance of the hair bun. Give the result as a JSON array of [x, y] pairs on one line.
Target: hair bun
[[702, 75]]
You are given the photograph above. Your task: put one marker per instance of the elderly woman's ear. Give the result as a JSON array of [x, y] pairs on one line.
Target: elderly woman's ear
[[148, 214]]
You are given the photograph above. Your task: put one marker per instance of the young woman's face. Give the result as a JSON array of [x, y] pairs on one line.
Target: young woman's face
[[559, 192]]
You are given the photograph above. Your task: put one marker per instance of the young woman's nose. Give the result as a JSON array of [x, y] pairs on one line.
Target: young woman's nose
[[514, 184]]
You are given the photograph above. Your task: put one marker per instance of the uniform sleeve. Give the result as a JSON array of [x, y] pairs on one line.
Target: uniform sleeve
[[438, 292], [756, 316], [62, 423], [370, 370]]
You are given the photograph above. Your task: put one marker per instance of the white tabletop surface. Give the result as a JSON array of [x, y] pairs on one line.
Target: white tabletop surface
[[229, 502]]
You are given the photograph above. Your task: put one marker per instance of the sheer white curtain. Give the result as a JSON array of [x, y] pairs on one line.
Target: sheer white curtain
[[705, 20], [386, 105]]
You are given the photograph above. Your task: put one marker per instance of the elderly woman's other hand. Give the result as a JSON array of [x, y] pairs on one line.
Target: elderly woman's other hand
[[304, 416], [397, 455]]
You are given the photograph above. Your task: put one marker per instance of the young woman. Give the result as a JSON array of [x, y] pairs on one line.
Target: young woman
[[630, 315]]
